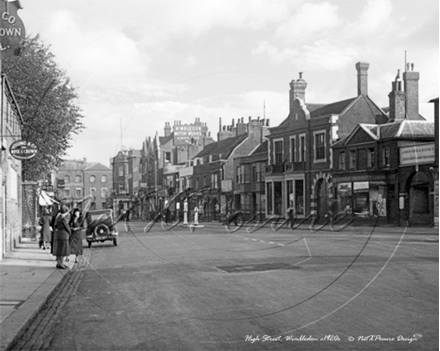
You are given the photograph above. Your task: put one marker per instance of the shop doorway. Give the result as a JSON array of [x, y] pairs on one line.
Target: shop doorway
[[418, 200]]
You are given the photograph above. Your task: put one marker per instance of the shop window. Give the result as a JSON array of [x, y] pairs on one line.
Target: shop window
[[290, 195], [278, 197], [246, 202], [269, 198], [361, 202], [343, 192], [299, 196]]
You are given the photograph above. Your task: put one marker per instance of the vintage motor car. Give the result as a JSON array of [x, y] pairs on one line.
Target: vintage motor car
[[100, 227]]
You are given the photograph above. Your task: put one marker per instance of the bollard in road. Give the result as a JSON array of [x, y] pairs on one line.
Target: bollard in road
[[196, 216]]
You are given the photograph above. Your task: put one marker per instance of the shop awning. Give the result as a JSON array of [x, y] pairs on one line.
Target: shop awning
[[45, 200]]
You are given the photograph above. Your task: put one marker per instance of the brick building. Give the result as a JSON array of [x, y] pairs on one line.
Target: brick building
[[119, 166], [77, 179], [384, 170], [249, 191], [299, 170], [163, 157], [214, 166]]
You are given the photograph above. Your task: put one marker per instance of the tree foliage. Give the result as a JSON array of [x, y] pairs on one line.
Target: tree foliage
[[47, 102]]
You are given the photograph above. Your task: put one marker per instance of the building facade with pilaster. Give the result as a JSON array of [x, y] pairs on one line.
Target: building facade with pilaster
[[384, 172], [300, 162], [10, 170]]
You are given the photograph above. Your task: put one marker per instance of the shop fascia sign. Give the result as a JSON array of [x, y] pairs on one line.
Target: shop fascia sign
[[22, 150], [12, 30], [417, 154]]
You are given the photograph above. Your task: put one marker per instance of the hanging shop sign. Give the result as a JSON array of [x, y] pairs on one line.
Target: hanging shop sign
[[23, 150], [12, 30]]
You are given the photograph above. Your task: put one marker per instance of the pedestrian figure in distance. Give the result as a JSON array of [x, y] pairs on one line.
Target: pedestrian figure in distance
[[62, 247], [75, 240], [45, 232]]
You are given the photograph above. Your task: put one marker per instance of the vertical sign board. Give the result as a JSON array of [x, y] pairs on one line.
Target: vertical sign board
[[11, 28]]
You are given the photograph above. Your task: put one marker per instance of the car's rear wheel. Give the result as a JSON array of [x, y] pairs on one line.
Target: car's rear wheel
[[90, 244]]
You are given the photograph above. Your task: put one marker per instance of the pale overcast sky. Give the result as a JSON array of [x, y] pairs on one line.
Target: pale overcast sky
[[144, 62]]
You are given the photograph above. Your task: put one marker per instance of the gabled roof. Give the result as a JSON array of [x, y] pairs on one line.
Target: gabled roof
[[389, 130], [96, 167], [334, 108], [73, 165], [419, 117], [415, 129], [223, 147], [165, 139], [406, 129], [369, 129], [261, 149], [321, 110]]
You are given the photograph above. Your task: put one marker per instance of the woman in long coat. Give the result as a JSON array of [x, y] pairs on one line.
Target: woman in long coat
[[75, 240], [45, 232], [62, 247]]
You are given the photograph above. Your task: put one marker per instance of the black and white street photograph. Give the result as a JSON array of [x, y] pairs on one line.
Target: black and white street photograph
[[234, 175]]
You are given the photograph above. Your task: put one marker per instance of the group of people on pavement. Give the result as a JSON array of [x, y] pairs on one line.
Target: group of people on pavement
[[64, 236]]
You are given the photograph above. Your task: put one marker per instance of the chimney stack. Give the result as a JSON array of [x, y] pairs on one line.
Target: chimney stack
[[297, 89], [362, 78], [167, 129], [411, 86], [397, 100]]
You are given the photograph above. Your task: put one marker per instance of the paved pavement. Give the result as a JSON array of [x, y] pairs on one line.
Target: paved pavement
[[28, 277]]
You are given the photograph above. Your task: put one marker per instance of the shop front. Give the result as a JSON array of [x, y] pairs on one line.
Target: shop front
[[362, 198], [282, 195], [295, 196]]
